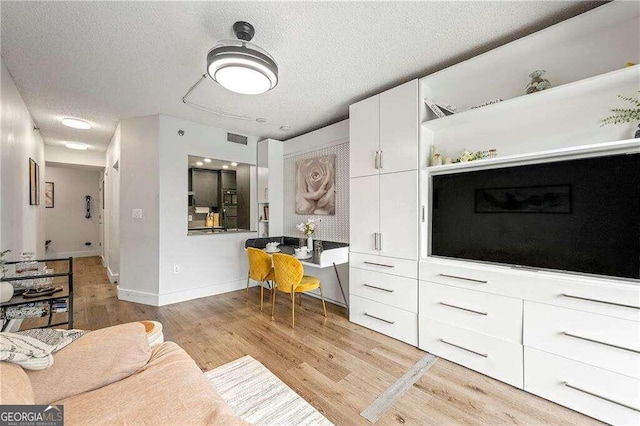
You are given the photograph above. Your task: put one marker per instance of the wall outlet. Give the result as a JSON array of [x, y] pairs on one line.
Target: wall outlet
[[176, 269], [136, 213]]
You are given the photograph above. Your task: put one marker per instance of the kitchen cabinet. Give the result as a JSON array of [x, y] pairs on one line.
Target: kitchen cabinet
[[364, 214], [383, 132], [204, 185], [270, 187], [228, 179]]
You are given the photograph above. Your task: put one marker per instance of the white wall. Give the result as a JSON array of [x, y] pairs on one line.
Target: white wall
[[209, 264], [332, 139], [21, 225], [66, 225], [111, 243], [60, 155], [139, 189]]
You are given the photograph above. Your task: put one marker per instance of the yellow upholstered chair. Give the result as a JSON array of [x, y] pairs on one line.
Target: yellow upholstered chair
[[290, 279], [260, 270]]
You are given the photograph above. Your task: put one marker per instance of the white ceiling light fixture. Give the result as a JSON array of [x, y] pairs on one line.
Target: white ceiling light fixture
[[76, 145], [234, 164], [225, 167], [240, 66], [207, 160], [76, 123], [199, 163]]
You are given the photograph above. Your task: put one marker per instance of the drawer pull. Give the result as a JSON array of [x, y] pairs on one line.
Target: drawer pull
[[378, 318], [379, 288], [601, 343], [464, 349], [463, 278], [379, 264], [600, 301], [569, 385], [463, 309]]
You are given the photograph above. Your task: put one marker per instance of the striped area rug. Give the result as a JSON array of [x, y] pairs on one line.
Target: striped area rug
[[257, 396]]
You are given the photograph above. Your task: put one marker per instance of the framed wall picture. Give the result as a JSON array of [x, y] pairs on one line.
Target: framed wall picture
[[34, 183], [49, 195], [315, 186]]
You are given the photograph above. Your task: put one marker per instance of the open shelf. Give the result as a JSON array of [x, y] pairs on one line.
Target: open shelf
[[606, 81], [621, 147]]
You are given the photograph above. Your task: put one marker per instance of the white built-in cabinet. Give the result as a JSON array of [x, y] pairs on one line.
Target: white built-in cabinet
[[270, 188], [383, 144]]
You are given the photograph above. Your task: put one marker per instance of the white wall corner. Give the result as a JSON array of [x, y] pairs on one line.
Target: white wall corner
[[138, 297], [113, 277]]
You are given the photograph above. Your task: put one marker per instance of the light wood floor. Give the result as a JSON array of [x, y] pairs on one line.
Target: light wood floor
[[337, 366]]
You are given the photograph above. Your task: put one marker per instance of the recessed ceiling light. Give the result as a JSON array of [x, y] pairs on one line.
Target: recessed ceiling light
[[234, 164], [76, 145], [199, 163], [207, 160], [76, 123], [225, 167], [240, 66]]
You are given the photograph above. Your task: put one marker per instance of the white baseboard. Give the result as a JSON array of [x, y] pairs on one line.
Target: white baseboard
[[113, 278], [138, 296], [196, 293], [64, 254], [104, 261]]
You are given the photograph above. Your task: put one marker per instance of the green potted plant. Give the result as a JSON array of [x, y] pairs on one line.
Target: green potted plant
[[625, 115]]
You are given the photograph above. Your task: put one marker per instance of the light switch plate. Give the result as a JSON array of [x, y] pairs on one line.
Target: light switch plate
[[136, 213]]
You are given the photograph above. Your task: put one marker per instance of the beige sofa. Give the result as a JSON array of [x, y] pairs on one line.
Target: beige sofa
[[111, 376]]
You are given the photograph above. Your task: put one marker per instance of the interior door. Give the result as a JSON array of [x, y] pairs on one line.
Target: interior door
[[399, 215], [399, 128], [364, 214], [364, 137]]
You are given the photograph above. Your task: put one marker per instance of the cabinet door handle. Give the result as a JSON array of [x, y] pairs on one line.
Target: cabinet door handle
[[464, 349], [380, 160], [571, 296], [379, 288], [463, 309], [575, 336], [375, 241], [380, 241], [379, 264], [423, 216], [464, 278], [579, 389], [378, 318], [375, 160]]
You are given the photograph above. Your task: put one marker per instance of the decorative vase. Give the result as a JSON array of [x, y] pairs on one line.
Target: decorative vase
[[6, 292], [537, 83], [310, 243]]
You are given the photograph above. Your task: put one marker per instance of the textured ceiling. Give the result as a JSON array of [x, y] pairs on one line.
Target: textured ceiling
[[103, 61]]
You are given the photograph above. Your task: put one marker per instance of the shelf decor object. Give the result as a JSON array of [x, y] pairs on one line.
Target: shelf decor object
[[537, 83], [624, 115]]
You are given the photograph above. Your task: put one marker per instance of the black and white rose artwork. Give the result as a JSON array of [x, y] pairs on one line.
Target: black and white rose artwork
[[315, 186]]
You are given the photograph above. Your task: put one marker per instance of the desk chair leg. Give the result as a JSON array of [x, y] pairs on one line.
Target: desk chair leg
[[324, 308], [246, 299], [293, 309], [273, 303], [261, 296]]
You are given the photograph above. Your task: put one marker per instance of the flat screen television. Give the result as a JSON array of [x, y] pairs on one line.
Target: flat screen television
[[578, 215]]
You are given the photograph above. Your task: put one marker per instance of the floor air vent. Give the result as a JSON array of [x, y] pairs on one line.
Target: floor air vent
[[232, 137]]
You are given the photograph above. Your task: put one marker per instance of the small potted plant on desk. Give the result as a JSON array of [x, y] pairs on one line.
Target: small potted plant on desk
[[308, 228]]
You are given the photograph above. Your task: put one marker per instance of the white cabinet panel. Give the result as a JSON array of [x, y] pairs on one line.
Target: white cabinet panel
[[494, 357], [606, 342], [392, 290], [399, 215], [385, 319], [399, 128], [607, 396], [364, 216], [387, 265], [486, 313], [364, 137]]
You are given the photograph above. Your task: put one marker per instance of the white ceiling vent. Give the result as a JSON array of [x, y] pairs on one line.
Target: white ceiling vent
[[235, 138]]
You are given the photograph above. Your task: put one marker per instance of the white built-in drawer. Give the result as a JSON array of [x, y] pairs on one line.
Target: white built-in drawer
[[385, 319], [610, 343], [607, 396], [497, 316], [604, 296], [494, 357], [400, 292], [387, 265]]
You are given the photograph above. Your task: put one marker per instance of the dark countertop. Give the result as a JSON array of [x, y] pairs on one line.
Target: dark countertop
[[288, 244]]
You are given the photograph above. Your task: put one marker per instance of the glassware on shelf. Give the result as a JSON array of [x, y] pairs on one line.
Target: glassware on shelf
[[493, 153], [26, 264]]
